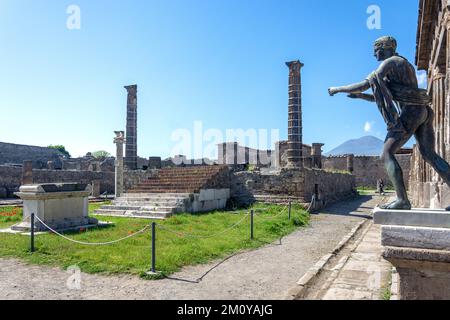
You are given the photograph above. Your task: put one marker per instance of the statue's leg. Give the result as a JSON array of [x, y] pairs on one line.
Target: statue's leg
[[426, 141], [393, 143]]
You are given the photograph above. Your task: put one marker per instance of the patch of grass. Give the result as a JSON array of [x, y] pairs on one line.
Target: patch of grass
[[338, 171], [10, 216], [386, 294], [366, 191], [174, 249]]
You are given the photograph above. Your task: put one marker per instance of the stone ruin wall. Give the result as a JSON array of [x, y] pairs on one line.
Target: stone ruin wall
[[296, 183], [11, 179], [132, 178], [16, 154], [368, 170]]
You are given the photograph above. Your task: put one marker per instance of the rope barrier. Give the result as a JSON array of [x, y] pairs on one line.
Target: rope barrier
[[313, 201], [274, 217], [91, 243], [188, 235]]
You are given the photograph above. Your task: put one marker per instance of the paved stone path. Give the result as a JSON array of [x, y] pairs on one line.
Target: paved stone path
[[358, 272], [267, 273], [365, 274]]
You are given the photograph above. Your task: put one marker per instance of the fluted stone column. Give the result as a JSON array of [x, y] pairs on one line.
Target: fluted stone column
[[119, 140], [131, 139], [295, 134]]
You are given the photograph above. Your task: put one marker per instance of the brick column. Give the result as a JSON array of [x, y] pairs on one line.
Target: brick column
[[350, 163], [295, 135], [317, 155], [131, 139], [27, 172], [119, 140]]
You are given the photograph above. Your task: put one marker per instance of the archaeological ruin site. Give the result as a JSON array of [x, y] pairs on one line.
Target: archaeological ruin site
[[289, 223]]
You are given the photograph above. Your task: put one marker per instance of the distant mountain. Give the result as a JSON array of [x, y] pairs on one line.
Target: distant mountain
[[365, 146]]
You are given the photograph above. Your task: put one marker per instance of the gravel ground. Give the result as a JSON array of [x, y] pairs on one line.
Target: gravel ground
[[266, 273]]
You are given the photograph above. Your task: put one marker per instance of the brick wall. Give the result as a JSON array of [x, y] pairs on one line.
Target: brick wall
[[368, 170], [11, 178], [15, 154], [296, 183]]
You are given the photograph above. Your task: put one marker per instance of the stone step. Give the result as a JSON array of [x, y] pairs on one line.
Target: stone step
[[133, 214], [143, 203], [156, 195], [163, 191], [165, 209], [275, 199]]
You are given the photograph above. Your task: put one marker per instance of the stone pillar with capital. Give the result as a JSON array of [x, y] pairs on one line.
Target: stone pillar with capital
[[295, 132], [119, 140]]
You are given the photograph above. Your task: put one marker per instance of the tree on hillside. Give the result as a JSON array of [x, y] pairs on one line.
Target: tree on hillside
[[101, 154], [61, 149]]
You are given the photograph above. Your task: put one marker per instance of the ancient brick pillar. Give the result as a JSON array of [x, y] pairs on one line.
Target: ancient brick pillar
[[295, 137], [96, 188], [317, 155], [350, 163], [27, 172], [119, 140], [131, 138]]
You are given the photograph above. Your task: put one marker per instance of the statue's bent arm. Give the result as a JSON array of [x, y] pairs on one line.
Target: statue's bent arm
[[363, 96]]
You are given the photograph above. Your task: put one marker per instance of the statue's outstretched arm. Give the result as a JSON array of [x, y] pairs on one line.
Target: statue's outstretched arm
[[353, 88]]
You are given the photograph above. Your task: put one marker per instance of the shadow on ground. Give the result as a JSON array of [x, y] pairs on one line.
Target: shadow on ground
[[352, 207]]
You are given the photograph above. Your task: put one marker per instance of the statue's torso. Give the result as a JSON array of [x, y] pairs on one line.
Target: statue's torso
[[398, 70]]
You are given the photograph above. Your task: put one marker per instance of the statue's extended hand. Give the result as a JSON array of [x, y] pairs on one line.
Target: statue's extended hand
[[332, 91]]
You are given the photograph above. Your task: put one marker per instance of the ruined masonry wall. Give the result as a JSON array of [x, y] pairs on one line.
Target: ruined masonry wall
[[296, 183], [368, 170]]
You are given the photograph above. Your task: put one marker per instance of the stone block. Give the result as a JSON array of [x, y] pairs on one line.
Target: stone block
[[415, 237], [207, 195], [221, 194], [424, 274], [433, 218]]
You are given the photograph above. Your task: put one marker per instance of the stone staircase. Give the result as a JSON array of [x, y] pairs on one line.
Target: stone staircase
[[171, 191], [181, 180], [146, 205]]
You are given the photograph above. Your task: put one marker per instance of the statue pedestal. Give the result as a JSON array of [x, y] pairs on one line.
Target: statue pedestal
[[417, 243]]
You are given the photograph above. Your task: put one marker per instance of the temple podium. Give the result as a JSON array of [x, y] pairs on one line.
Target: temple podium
[[417, 243]]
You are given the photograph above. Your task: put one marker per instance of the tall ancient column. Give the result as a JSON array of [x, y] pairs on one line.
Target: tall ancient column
[[295, 133], [119, 140], [131, 138]]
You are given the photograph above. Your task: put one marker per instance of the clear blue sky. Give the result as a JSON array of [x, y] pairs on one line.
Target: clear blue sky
[[218, 61]]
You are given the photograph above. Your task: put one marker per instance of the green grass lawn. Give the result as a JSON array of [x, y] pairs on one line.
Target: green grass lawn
[[173, 250]]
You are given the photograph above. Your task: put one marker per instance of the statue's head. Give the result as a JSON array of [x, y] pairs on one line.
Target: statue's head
[[385, 47]]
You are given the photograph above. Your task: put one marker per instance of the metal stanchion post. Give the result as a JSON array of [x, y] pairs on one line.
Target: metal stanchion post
[[32, 233], [252, 213], [153, 270], [290, 208]]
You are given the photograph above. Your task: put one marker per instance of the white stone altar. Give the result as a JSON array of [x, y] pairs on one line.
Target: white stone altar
[[61, 206], [417, 243]]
